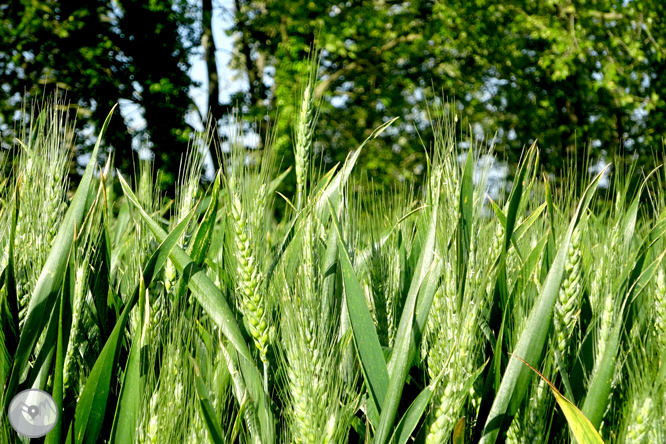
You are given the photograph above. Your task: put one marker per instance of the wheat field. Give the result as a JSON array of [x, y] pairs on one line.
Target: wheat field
[[429, 314]]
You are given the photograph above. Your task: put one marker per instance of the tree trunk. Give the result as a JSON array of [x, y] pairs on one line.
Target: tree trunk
[[620, 132], [214, 111]]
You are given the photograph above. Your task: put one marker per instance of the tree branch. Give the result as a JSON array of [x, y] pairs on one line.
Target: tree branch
[[393, 43], [325, 84]]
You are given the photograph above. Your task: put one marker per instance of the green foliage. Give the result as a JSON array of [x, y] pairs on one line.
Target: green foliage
[[347, 318], [95, 54], [567, 74]]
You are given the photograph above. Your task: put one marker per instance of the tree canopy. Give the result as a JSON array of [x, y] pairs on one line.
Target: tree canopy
[[97, 53], [570, 74], [565, 73]]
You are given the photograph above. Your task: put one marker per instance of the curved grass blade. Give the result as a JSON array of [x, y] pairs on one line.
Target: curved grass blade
[[238, 421], [528, 222], [288, 237], [502, 220], [207, 408], [500, 296], [51, 276], [396, 383], [424, 302], [255, 389], [363, 328], [202, 238], [5, 324], [421, 271], [333, 188], [366, 254], [64, 326], [9, 313], [119, 229], [101, 264], [329, 273], [412, 416], [127, 408], [581, 427], [501, 291], [275, 183], [414, 314], [45, 353], [42, 373], [629, 219], [600, 387], [90, 409], [240, 391], [209, 296], [515, 381], [464, 229], [12, 297], [529, 266], [122, 222]]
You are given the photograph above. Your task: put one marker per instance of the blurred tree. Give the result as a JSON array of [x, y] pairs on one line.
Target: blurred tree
[[373, 67], [568, 73], [97, 53]]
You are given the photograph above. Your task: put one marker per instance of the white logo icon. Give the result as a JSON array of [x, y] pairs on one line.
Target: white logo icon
[[33, 413]]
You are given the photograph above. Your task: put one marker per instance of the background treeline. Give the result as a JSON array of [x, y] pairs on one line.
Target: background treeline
[[570, 74]]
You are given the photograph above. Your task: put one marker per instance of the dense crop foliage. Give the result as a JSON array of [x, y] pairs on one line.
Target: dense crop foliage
[[353, 317]]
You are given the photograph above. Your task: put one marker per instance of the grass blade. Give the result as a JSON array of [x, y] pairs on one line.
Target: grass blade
[[44, 356], [91, 407], [64, 325], [241, 393], [499, 298], [209, 296], [207, 408], [329, 273], [600, 387], [396, 384], [202, 238], [581, 427], [411, 418], [464, 230], [514, 382], [255, 389], [9, 314], [51, 277], [100, 287], [332, 191], [127, 409], [423, 267], [363, 328]]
